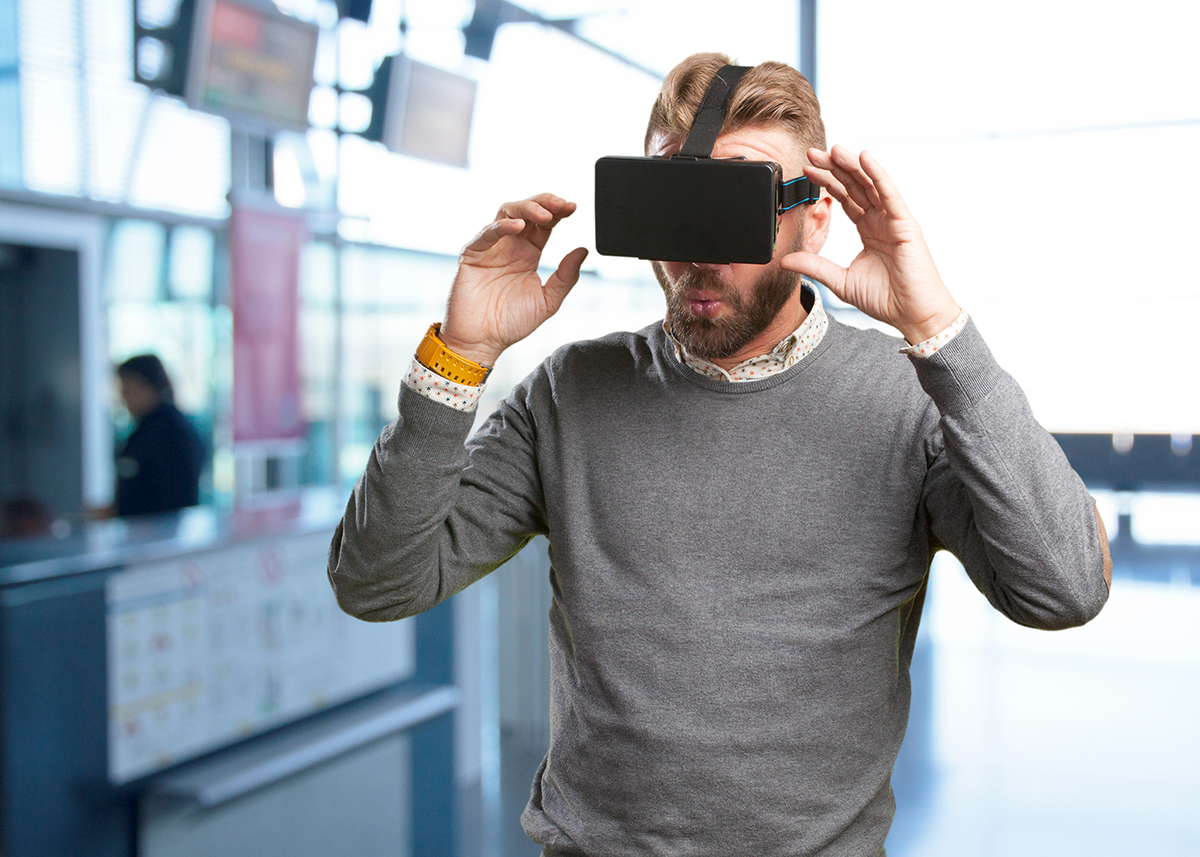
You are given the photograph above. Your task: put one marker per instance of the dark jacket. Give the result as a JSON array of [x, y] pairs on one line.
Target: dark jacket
[[158, 470]]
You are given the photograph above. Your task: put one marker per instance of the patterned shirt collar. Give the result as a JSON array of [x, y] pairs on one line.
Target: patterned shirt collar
[[794, 348]]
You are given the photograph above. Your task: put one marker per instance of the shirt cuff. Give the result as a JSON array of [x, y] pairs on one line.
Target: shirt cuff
[[933, 343], [433, 386]]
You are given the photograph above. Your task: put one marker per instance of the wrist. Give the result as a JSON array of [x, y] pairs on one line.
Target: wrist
[[443, 359], [916, 333], [481, 354]]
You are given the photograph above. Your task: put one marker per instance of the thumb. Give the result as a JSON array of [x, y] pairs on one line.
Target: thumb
[[564, 279], [816, 268]]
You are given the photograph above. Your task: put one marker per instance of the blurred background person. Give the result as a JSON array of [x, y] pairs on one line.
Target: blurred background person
[[158, 467]]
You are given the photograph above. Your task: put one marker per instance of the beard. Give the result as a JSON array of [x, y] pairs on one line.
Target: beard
[[744, 318]]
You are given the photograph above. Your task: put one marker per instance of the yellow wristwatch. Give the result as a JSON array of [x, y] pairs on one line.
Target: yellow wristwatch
[[433, 354]]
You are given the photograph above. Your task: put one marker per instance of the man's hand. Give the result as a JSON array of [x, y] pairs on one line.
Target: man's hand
[[497, 297], [893, 279]]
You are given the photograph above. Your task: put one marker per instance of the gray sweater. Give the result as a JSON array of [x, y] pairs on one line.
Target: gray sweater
[[738, 570]]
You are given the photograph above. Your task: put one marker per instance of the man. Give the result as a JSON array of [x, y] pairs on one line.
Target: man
[[742, 504], [158, 468]]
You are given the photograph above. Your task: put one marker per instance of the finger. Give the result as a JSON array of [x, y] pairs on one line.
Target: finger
[[541, 214], [525, 209], [564, 279], [889, 194], [825, 179], [544, 210], [560, 209], [493, 232], [849, 171], [818, 157], [556, 205], [853, 190], [817, 268], [843, 185]]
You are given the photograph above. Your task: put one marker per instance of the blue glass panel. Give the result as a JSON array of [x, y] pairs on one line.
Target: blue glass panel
[[10, 106], [10, 132]]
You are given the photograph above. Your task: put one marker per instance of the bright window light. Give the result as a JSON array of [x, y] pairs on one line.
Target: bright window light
[[1165, 519], [354, 112], [356, 65], [323, 107], [289, 183], [1108, 503]]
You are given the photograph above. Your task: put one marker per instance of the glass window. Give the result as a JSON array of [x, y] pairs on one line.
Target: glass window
[[10, 109], [10, 131], [172, 316], [135, 269], [390, 298], [318, 360], [86, 129], [190, 275], [183, 161], [51, 145]]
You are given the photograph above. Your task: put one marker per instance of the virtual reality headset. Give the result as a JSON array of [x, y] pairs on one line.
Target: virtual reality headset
[[691, 207]]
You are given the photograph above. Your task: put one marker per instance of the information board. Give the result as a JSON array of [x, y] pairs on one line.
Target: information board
[[252, 64], [213, 647]]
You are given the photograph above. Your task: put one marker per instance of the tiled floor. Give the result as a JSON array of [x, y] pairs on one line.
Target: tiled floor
[[1024, 743]]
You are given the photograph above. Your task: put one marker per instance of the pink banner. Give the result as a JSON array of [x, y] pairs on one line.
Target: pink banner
[[264, 250]]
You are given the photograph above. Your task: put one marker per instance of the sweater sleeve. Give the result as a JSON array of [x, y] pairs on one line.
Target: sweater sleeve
[[430, 515], [1002, 497]]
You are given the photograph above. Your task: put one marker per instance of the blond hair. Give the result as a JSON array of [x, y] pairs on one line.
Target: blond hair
[[770, 95]]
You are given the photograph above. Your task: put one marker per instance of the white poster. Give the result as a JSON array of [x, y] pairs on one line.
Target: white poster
[[209, 648]]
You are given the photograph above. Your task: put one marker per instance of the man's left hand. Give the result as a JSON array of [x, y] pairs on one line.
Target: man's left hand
[[893, 279]]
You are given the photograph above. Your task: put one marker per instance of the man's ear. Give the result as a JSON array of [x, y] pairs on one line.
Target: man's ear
[[817, 218]]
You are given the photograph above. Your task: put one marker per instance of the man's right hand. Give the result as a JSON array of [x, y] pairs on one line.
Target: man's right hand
[[497, 297]]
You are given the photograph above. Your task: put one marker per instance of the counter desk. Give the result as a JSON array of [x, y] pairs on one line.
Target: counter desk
[[187, 685]]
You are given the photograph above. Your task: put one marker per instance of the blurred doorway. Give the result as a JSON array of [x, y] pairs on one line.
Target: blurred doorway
[[41, 410]]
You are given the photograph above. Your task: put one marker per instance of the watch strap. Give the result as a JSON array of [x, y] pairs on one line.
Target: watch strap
[[433, 354]]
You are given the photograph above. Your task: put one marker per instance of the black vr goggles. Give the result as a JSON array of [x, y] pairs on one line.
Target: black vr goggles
[[691, 207]]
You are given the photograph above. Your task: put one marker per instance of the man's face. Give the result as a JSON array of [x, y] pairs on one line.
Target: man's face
[[729, 313], [716, 320]]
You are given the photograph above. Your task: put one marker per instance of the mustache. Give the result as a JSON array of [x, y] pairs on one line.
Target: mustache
[[705, 279]]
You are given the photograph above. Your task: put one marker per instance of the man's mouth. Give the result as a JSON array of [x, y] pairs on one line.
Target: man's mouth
[[704, 304]]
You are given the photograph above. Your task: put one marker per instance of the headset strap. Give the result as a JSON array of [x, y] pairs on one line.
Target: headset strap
[[798, 192], [711, 115], [706, 127]]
